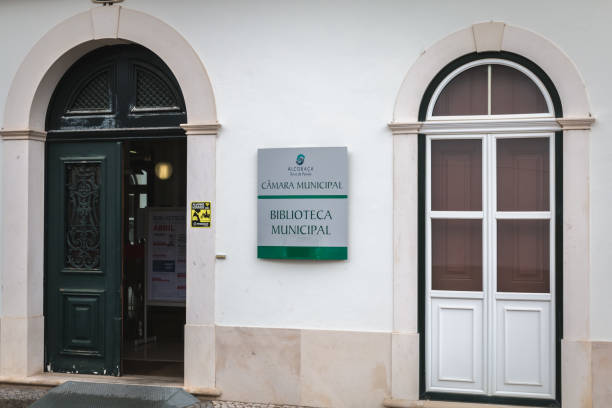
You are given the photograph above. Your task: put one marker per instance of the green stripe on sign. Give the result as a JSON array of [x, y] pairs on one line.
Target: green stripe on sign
[[268, 197], [297, 252]]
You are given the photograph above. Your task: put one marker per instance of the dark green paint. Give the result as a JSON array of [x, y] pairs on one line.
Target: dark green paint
[[558, 256], [283, 197], [83, 306], [296, 252], [122, 63]]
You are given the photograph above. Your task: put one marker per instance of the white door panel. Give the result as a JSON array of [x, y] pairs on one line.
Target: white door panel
[[457, 353], [524, 356], [490, 323]]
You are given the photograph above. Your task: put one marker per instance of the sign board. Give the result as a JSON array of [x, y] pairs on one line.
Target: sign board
[[166, 255], [201, 214], [302, 203]]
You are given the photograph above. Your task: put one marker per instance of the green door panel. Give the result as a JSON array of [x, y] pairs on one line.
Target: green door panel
[[83, 258]]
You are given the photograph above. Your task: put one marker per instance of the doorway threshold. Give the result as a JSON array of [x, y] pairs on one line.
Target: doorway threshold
[[400, 403], [55, 379]]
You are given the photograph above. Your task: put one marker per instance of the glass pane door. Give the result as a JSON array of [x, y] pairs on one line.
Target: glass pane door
[[489, 256], [456, 304], [522, 258]]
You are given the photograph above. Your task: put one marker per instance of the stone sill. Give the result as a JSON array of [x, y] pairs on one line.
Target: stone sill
[[398, 403]]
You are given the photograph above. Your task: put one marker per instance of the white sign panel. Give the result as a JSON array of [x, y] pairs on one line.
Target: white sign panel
[[302, 203]]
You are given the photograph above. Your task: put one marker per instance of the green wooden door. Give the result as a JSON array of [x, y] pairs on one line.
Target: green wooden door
[[83, 258]]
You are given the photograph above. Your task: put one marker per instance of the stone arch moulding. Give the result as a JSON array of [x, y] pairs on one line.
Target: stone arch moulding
[[493, 36], [23, 134], [576, 124], [59, 48]]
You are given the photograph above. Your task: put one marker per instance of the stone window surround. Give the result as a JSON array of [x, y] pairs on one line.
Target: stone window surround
[[23, 170], [405, 127]]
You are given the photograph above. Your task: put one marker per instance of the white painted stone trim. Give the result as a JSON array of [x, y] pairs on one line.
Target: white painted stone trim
[[201, 129], [488, 36], [200, 346], [59, 48], [570, 86], [405, 338], [576, 123], [26, 134], [538, 49], [407, 128]]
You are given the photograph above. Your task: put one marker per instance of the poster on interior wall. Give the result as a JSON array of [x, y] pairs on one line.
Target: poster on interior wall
[[302, 203], [166, 255]]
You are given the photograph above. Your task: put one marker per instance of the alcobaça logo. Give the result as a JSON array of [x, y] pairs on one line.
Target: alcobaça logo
[[300, 159]]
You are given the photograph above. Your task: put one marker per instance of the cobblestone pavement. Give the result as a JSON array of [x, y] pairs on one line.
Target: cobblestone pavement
[[18, 396], [21, 396]]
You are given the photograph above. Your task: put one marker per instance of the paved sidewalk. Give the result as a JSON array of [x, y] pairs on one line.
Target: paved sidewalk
[[22, 396]]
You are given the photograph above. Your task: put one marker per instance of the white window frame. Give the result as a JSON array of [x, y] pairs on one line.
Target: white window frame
[[489, 129], [489, 216]]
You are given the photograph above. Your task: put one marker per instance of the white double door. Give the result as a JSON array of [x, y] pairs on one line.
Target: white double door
[[490, 235]]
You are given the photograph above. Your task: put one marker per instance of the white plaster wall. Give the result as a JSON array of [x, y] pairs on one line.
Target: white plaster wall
[[22, 24], [309, 73], [600, 89], [1, 237]]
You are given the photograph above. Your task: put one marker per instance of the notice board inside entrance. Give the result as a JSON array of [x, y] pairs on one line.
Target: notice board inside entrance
[[166, 256]]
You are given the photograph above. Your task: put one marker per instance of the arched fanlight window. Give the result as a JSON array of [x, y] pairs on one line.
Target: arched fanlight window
[[489, 88], [116, 87]]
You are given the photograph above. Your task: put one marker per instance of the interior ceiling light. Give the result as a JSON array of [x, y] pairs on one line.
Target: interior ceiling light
[[163, 170]]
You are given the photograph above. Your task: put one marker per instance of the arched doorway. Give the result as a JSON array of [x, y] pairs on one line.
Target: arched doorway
[[22, 341], [115, 203]]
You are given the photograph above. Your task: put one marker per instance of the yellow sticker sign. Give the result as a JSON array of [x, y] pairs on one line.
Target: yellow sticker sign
[[201, 214]]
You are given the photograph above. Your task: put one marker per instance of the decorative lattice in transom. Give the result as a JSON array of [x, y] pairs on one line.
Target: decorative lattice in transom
[[94, 96], [152, 92]]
